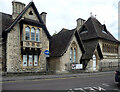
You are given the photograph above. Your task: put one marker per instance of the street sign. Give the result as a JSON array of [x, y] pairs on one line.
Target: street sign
[[46, 52]]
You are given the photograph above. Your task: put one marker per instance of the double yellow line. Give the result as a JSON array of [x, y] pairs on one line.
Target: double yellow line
[[62, 78]]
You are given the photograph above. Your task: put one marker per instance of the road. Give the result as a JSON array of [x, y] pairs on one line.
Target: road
[[93, 82]]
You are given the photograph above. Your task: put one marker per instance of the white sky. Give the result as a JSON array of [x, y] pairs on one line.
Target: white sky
[[64, 13]]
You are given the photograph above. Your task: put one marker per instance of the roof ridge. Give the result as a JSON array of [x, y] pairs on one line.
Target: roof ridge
[[94, 26]]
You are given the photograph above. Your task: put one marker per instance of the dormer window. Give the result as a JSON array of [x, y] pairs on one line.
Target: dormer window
[[84, 30], [104, 31]]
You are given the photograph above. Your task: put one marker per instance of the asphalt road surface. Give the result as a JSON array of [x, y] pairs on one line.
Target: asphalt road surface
[[83, 83]]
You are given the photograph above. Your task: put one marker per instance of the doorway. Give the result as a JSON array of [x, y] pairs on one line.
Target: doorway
[[94, 62]]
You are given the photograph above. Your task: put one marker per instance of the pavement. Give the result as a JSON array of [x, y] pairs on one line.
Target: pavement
[[32, 77]]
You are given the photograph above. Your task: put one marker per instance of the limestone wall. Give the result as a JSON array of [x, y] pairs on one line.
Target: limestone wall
[[13, 50], [0, 55], [14, 59], [54, 64], [109, 64], [65, 59], [110, 61], [62, 64], [33, 17], [45, 46]]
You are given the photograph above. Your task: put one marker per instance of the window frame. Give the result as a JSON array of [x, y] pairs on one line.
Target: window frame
[[25, 61], [38, 30], [32, 35], [75, 55], [35, 60], [26, 33], [30, 64], [71, 55]]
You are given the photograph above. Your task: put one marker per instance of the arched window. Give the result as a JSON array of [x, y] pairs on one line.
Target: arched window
[[37, 35], [32, 34], [71, 51], [27, 31], [74, 55]]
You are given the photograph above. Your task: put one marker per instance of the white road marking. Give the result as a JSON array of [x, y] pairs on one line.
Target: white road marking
[[99, 88], [104, 84], [89, 88], [81, 89]]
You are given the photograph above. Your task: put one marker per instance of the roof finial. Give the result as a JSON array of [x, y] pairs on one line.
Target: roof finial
[[90, 14], [95, 15], [31, 0]]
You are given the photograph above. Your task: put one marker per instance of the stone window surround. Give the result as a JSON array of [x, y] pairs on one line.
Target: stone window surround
[[74, 46], [28, 66], [24, 36], [109, 48], [30, 26]]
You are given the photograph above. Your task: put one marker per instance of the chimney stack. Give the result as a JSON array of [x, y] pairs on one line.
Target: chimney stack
[[80, 22], [43, 16], [17, 7]]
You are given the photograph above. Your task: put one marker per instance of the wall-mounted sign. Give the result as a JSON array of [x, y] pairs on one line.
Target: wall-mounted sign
[[46, 52], [79, 66]]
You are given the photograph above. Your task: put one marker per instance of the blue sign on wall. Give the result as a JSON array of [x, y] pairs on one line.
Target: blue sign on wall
[[46, 52]]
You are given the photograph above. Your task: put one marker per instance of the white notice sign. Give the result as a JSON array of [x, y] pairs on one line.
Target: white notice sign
[[79, 66]]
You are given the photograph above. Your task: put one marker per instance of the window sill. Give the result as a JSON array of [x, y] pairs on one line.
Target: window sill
[[29, 67], [31, 41]]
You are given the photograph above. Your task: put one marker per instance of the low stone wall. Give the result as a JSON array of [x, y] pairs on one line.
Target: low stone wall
[[109, 65]]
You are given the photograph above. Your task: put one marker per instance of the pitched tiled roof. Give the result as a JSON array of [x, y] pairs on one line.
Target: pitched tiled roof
[[21, 14], [90, 47], [94, 28], [60, 42]]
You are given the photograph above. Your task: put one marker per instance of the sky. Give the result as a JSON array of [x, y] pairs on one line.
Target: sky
[[64, 13]]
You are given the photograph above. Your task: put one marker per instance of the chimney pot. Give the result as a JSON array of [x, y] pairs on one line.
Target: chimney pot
[[43, 16], [80, 22], [17, 7]]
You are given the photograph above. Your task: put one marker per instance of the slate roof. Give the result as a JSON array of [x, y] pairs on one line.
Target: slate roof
[[94, 28], [90, 47], [60, 42], [9, 27], [5, 20]]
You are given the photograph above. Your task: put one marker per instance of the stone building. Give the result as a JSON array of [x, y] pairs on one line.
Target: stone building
[[66, 50], [98, 49], [100, 45], [24, 38]]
